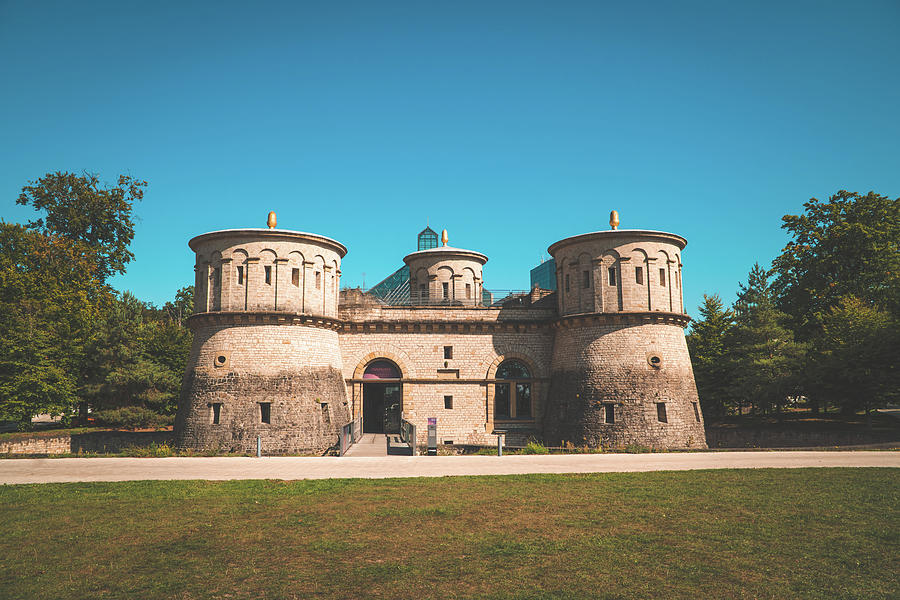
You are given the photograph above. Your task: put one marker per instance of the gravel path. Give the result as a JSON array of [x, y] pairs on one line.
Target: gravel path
[[46, 470]]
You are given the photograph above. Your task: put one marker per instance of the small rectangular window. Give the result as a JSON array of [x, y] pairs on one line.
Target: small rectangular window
[[609, 411], [448, 352], [216, 412], [265, 412], [448, 402], [217, 276], [662, 277], [567, 282], [446, 289], [696, 411], [639, 275], [269, 275], [318, 280], [295, 277], [240, 275], [468, 291], [585, 279], [661, 412], [612, 276]]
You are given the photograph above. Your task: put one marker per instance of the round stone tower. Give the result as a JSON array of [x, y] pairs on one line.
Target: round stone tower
[[265, 360], [445, 275], [621, 373]]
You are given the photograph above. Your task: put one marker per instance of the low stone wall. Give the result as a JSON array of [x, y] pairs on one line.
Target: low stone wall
[[763, 438], [93, 441]]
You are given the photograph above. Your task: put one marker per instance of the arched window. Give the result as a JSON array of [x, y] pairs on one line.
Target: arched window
[[512, 394], [381, 369]]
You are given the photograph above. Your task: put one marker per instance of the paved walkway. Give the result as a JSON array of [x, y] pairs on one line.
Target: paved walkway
[[44, 470], [379, 444]]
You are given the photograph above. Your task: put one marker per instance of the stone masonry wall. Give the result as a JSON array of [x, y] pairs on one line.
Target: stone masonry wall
[[294, 368], [428, 377], [595, 365]]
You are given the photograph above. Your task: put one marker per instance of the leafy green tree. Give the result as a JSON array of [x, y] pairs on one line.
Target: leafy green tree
[[78, 208], [847, 246], [182, 306], [50, 297], [709, 355], [765, 362], [855, 362]]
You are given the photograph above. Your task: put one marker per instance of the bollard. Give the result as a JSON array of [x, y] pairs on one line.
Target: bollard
[[258, 446], [499, 444]]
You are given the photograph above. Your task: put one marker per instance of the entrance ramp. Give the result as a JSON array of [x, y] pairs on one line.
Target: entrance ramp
[[379, 444]]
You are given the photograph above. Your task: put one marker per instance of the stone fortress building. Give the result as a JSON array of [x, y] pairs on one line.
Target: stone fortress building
[[280, 352]]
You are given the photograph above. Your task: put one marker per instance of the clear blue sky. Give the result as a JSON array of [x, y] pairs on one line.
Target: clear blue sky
[[512, 124]]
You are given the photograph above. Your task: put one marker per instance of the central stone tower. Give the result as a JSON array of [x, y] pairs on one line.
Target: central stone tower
[[620, 372], [265, 360]]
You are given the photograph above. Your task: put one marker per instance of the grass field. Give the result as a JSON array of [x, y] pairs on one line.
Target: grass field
[[804, 533]]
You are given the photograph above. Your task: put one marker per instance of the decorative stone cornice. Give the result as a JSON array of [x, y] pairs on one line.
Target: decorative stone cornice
[[261, 318], [622, 318]]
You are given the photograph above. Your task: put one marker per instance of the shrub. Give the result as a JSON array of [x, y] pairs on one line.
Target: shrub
[[132, 417], [535, 447]]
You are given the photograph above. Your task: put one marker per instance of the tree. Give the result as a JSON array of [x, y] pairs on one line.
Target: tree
[[847, 246], [50, 297], [764, 360], [79, 209], [182, 306], [855, 364], [709, 355]]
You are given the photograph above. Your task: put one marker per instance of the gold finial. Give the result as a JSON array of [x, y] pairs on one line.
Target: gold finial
[[271, 221], [614, 220], [444, 238]]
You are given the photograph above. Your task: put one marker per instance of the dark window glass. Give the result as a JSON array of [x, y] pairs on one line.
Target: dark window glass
[[610, 410], [216, 412], [269, 275], [501, 401], [612, 276], [448, 352], [512, 369], [639, 275], [662, 277], [381, 369], [661, 412], [448, 402], [265, 412], [523, 400], [468, 291], [295, 277], [240, 275], [446, 289]]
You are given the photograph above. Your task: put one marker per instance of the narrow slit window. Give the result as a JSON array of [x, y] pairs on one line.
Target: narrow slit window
[[448, 352], [269, 275], [567, 282], [612, 276], [661, 412], [265, 412], [468, 291], [585, 279], [662, 277], [696, 411], [216, 412], [448, 402], [295, 277], [318, 280], [639, 275], [217, 276], [446, 289], [609, 413], [240, 271]]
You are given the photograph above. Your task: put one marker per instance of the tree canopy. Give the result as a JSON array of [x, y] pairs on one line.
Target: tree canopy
[[80, 209]]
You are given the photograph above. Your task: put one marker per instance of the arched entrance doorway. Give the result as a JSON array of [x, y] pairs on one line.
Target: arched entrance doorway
[[382, 397]]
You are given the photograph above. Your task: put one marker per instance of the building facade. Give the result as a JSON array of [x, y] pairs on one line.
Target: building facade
[[281, 353]]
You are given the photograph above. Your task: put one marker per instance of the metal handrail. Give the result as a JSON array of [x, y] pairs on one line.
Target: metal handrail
[[408, 435]]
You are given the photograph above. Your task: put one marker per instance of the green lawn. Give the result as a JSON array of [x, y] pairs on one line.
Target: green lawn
[[803, 533]]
